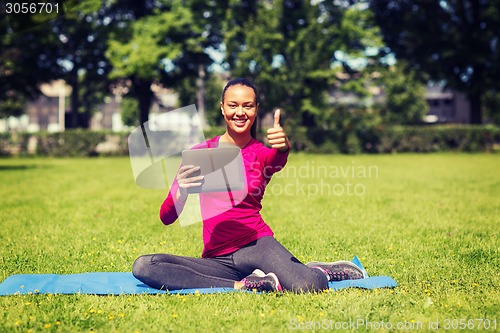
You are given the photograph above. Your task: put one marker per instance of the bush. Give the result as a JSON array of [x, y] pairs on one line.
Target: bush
[[69, 143], [423, 139], [5, 142], [214, 131], [352, 144], [116, 144], [389, 139], [366, 139]]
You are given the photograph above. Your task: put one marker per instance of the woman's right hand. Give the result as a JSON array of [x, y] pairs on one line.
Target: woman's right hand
[[185, 182]]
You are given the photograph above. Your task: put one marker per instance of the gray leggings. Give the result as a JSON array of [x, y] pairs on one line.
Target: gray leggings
[[166, 271]]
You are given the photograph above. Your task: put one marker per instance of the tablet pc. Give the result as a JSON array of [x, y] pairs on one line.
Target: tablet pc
[[222, 168]]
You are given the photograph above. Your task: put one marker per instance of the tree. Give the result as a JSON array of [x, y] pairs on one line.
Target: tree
[[130, 111], [492, 105], [451, 40], [167, 42], [24, 45], [188, 91], [289, 50], [12, 104], [193, 74], [38, 49], [147, 52], [80, 58], [405, 96]]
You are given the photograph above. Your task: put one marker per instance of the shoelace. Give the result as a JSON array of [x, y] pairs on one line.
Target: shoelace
[[253, 284]]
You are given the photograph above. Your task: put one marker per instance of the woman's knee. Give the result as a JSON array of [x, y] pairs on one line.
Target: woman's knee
[[140, 266]]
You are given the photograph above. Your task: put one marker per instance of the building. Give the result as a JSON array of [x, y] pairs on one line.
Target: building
[[46, 112], [446, 106]]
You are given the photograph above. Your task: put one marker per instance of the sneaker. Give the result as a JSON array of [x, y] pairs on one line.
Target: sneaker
[[259, 281], [339, 270]]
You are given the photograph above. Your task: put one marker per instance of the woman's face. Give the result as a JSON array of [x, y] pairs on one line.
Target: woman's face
[[239, 108]]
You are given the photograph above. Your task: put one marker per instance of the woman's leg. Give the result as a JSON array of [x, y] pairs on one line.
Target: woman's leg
[[165, 271], [269, 255]]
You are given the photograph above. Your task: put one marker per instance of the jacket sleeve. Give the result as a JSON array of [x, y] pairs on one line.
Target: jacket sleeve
[[171, 208], [274, 161]]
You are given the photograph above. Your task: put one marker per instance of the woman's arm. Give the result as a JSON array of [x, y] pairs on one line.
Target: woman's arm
[[277, 157], [174, 203]]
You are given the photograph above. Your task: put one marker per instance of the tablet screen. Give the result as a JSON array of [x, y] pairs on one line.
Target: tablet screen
[[222, 168]]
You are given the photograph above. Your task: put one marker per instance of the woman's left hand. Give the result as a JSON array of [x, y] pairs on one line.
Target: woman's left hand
[[276, 135]]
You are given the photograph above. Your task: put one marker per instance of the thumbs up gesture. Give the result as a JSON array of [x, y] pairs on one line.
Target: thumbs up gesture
[[276, 135]]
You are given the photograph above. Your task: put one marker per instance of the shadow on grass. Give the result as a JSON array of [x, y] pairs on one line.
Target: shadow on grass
[[22, 167]]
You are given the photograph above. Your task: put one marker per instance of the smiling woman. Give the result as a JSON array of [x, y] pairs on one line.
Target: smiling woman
[[239, 107], [240, 250]]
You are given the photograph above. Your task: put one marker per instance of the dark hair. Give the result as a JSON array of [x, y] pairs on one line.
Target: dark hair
[[246, 83]]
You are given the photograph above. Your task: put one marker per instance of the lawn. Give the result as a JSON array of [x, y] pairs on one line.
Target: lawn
[[429, 221]]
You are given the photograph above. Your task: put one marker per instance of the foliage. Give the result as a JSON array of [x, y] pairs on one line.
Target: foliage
[[299, 53], [155, 39], [448, 40], [141, 49], [13, 105], [357, 132], [129, 110], [405, 96], [201, 50], [5, 140], [69, 47], [492, 106], [364, 133], [80, 57], [22, 50], [187, 91], [214, 131], [69, 143], [289, 48], [166, 43], [424, 139]]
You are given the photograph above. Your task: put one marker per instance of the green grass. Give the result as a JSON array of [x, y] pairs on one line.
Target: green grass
[[429, 221]]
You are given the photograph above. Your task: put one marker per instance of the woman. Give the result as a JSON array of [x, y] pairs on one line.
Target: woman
[[239, 248]]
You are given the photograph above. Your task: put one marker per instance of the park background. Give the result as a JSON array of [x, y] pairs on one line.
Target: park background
[[359, 83]]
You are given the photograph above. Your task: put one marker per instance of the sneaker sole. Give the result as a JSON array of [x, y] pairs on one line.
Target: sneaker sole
[[343, 262], [259, 273]]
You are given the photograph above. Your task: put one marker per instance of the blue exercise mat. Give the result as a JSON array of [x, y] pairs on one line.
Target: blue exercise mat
[[117, 283]]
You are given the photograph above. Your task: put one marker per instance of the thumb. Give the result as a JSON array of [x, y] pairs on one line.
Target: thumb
[[277, 114]]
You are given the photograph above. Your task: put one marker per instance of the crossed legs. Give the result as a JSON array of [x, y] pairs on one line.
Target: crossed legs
[[165, 271]]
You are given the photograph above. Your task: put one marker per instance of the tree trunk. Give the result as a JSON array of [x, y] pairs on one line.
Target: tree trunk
[[258, 129], [88, 116], [85, 117], [73, 120], [144, 97], [475, 108], [200, 95]]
